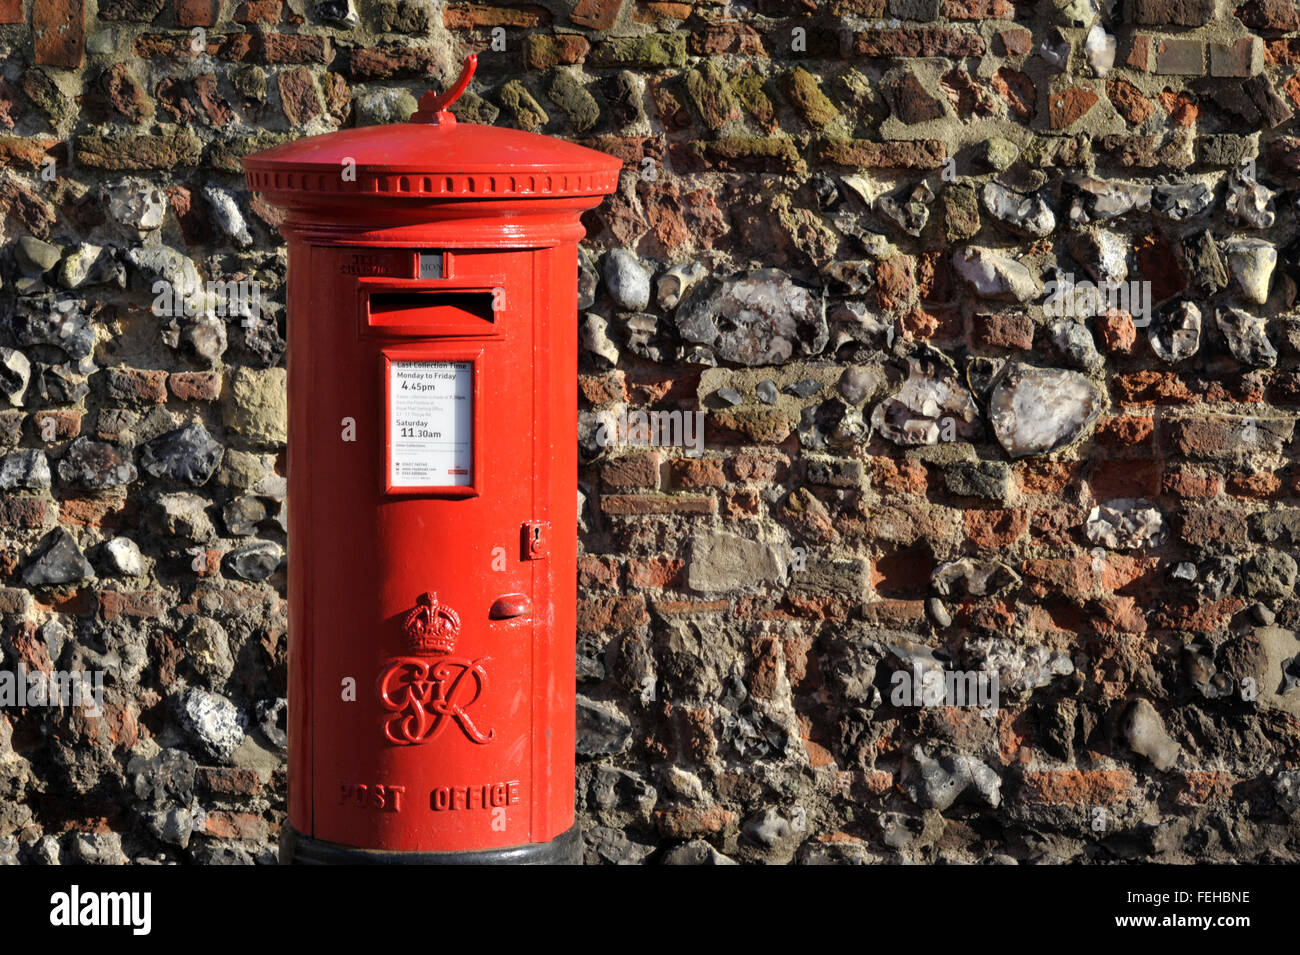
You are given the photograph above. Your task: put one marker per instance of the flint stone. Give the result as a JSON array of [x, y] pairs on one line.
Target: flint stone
[[35, 256], [96, 465], [1075, 343], [1175, 334], [627, 280], [1179, 201], [256, 560], [995, 276], [56, 560], [1252, 262], [188, 454], [15, 375], [136, 203], [124, 557], [936, 784], [89, 264], [1037, 410], [1246, 337], [760, 318], [226, 214], [969, 577], [602, 728], [215, 723], [1028, 215], [1145, 733], [47, 320], [27, 468], [930, 401], [1125, 525], [1248, 203]]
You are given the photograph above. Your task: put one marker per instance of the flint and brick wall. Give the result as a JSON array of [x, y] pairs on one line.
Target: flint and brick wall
[[842, 235]]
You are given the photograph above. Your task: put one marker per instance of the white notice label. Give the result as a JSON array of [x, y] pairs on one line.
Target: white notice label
[[430, 422]]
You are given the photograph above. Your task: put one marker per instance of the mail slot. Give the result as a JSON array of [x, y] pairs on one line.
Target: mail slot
[[432, 468]]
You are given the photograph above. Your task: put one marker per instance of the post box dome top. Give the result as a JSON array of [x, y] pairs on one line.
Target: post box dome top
[[431, 156]]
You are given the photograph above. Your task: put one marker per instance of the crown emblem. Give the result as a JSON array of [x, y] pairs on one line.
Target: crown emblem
[[431, 628]]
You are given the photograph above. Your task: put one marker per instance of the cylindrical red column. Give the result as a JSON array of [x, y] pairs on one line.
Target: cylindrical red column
[[432, 488]]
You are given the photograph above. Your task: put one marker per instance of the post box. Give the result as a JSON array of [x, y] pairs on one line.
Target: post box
[[432, 468]]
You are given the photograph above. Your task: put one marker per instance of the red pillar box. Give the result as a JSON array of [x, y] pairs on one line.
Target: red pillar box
[[432, 486]]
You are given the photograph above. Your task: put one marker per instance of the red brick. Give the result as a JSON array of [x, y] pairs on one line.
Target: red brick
[[58, 32], [197, 13], [917, 41], [90, 510], [1076, 787], [898, 476], [1191, 482], [597, 572], [296, 48], [628, 505], [689, 822], [1129, 101], [195, 385], [632, 470], [1263, 486], [470, 16], [146, 604], [979, 9], [1017, 90], [236, 825], [1017, 41], [1153, 387], [137, 384], [66, 424], [719, 38], [995, 527], [229, 780], [1114, 479], [1214, 527], [1118, 333], [1007, 329], [691, 473], [603, 389], [596, 14], [1125, 431], [11, 11], [612, 614], [1045, 477], [268, 12], [25, 511], [657, 573]]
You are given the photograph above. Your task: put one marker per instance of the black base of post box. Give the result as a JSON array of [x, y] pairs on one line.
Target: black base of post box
[[297, 849]]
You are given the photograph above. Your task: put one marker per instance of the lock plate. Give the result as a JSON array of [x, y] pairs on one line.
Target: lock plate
[[536, 540]]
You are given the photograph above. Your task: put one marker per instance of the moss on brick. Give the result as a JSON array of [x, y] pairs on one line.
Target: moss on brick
[[572, 97], [520, 104], [654, 52], [712, 95], [805, 94], [751, 91], [177, 147]]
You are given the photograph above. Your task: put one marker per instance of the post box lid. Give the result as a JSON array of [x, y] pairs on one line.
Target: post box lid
[[431, 157]]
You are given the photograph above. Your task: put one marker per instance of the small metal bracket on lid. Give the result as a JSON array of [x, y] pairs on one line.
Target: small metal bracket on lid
[[434, 106]]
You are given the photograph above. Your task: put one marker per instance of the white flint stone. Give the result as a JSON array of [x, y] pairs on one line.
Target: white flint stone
[[993, 275], [1036, 410]]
